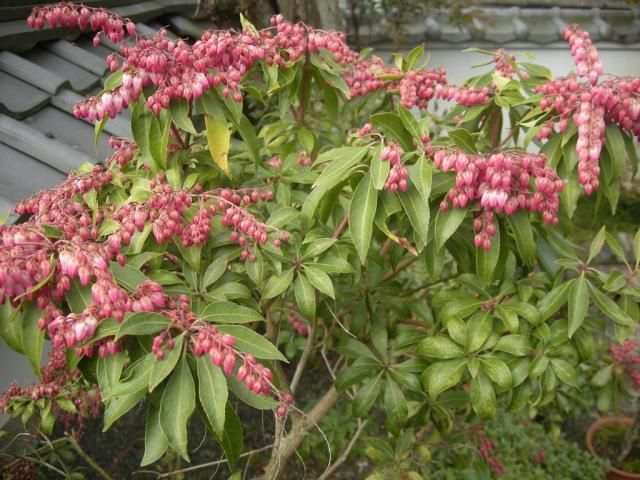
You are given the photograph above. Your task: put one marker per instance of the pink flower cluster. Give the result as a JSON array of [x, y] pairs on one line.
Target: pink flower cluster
[[627, 356], [500, 182], [58, 382], [397, 178], [59, 208], [68, 14], [415, 88], [220, 348], [418, 87], [584, 52], [25, 261], [124, 150], [298, 324], [296, 40], [485, 449], [592, 106], [166, 209]]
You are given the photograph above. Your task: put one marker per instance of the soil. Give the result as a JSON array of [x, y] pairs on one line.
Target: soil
[[607, 443]]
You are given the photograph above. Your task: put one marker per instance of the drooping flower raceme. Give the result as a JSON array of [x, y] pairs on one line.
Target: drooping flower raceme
[[590, 104], [503, 182]]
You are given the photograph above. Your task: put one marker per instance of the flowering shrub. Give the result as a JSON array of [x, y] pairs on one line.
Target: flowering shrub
[[277, 185]]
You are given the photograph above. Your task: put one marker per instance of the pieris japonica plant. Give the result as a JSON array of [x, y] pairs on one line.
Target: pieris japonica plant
[[285, 203]]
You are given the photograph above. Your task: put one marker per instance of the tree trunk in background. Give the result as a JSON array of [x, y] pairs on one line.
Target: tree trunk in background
[[321, 14]]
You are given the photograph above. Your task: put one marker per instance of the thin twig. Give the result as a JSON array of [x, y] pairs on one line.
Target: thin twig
[[341, 226], [38, 462], [343, 456], [208, 464], [401, 266], [302, 363], [90, 461], [176, 132]]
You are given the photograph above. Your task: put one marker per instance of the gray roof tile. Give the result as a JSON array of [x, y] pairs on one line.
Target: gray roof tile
[[83, 58], [79, 78], [19, 99], [65, 128], [30, 72], [38, 145], [23, 175]]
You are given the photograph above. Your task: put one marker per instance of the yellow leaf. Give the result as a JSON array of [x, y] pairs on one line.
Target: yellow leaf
[[218, 138]]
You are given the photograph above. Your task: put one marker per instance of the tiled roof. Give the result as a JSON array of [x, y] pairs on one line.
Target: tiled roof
[[42, 76]]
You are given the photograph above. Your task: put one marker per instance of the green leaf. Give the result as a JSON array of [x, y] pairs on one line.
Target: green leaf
[[78, 298], [379, 169], [116, 408], [421, 175], [395, 404], [439, 347], [497, 371], [447, 223], [565, 371], [609, 307], [180, 115], [177, 405], [597, 244], [391, 125], [108, 371], [487, 260], [361, 212], [213, 391], [11, 327], [127, 276], [214, 271], [344, 160], [250, 342], [443, 375], [367, 395], [463, 139], [603, 376], [305, 297], [578, 304], [418, 212], [155, 441], [514, 344], [232, 439], [483, 396], [523, 233], [228, 312], [479, 328], [142, 323], [32, 336], [317, 247], [259, 401], [136, 378], [163, 367], [412, 58], [283, 216], [410, 123], [320, 280], [554, 300], [277, 284]]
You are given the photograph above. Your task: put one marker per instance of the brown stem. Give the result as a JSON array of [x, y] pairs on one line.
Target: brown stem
[[176, 133], [90, 461], [404, 264], [302, 363], [301, 427], [343, 456], [304, 87], [210, 464], [341, 226]]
